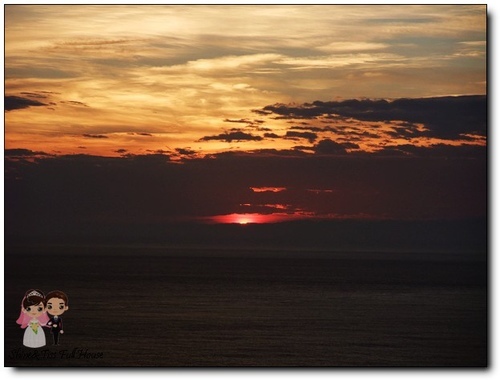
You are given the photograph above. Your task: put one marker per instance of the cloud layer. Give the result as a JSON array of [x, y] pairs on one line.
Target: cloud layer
[[180, 73], [51, 190], [444, 117]]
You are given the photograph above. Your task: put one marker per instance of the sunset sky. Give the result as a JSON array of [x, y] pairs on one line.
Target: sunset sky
[[103, 79], [246, 113]]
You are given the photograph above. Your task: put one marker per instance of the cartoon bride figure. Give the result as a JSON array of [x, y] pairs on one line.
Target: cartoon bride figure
[[32, 317]]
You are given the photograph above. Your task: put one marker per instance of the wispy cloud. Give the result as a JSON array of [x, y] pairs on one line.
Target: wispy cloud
[[95, 136], [263, 189]]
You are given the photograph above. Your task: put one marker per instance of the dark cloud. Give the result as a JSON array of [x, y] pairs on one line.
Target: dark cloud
[[294, 152], [151, 188], [444, 117], [328, 146], [185, 151], [350, 145], [23, 153], [233, 136], [341, 130], [311, 129], [91, 136], [140, 134], [17, 103], [271, 135], [362, 134], [302, 135], [353, 133], [245, 121], [121, 151], [439, 150], [406, 130], [262, 112], [305, 111], [159, 157], [155, 153]]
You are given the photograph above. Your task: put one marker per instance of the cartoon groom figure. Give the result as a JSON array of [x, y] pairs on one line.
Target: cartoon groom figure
[[57, 304]]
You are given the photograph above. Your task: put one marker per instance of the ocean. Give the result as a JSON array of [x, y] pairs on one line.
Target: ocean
[[220, 307]]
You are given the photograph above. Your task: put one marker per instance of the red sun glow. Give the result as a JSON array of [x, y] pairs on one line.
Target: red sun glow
[[240, 218], [253, 218]]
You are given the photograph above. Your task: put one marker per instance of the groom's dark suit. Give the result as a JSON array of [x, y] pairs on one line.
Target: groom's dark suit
[[56, 325]]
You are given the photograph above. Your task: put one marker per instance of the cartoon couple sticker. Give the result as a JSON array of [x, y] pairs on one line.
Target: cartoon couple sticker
[[39, 310]]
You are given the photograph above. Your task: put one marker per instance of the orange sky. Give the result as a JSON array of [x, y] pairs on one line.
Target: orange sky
[[123, 79]]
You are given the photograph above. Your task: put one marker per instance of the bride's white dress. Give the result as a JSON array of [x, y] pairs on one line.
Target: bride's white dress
[[34, 336]]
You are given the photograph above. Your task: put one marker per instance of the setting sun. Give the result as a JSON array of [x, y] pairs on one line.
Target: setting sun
[[255, 218], [240, 219]]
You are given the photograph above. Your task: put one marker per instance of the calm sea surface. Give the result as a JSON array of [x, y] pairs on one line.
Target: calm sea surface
[[144, 306]]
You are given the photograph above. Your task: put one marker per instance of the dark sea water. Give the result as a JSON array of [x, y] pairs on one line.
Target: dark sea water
[[154, 306]]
